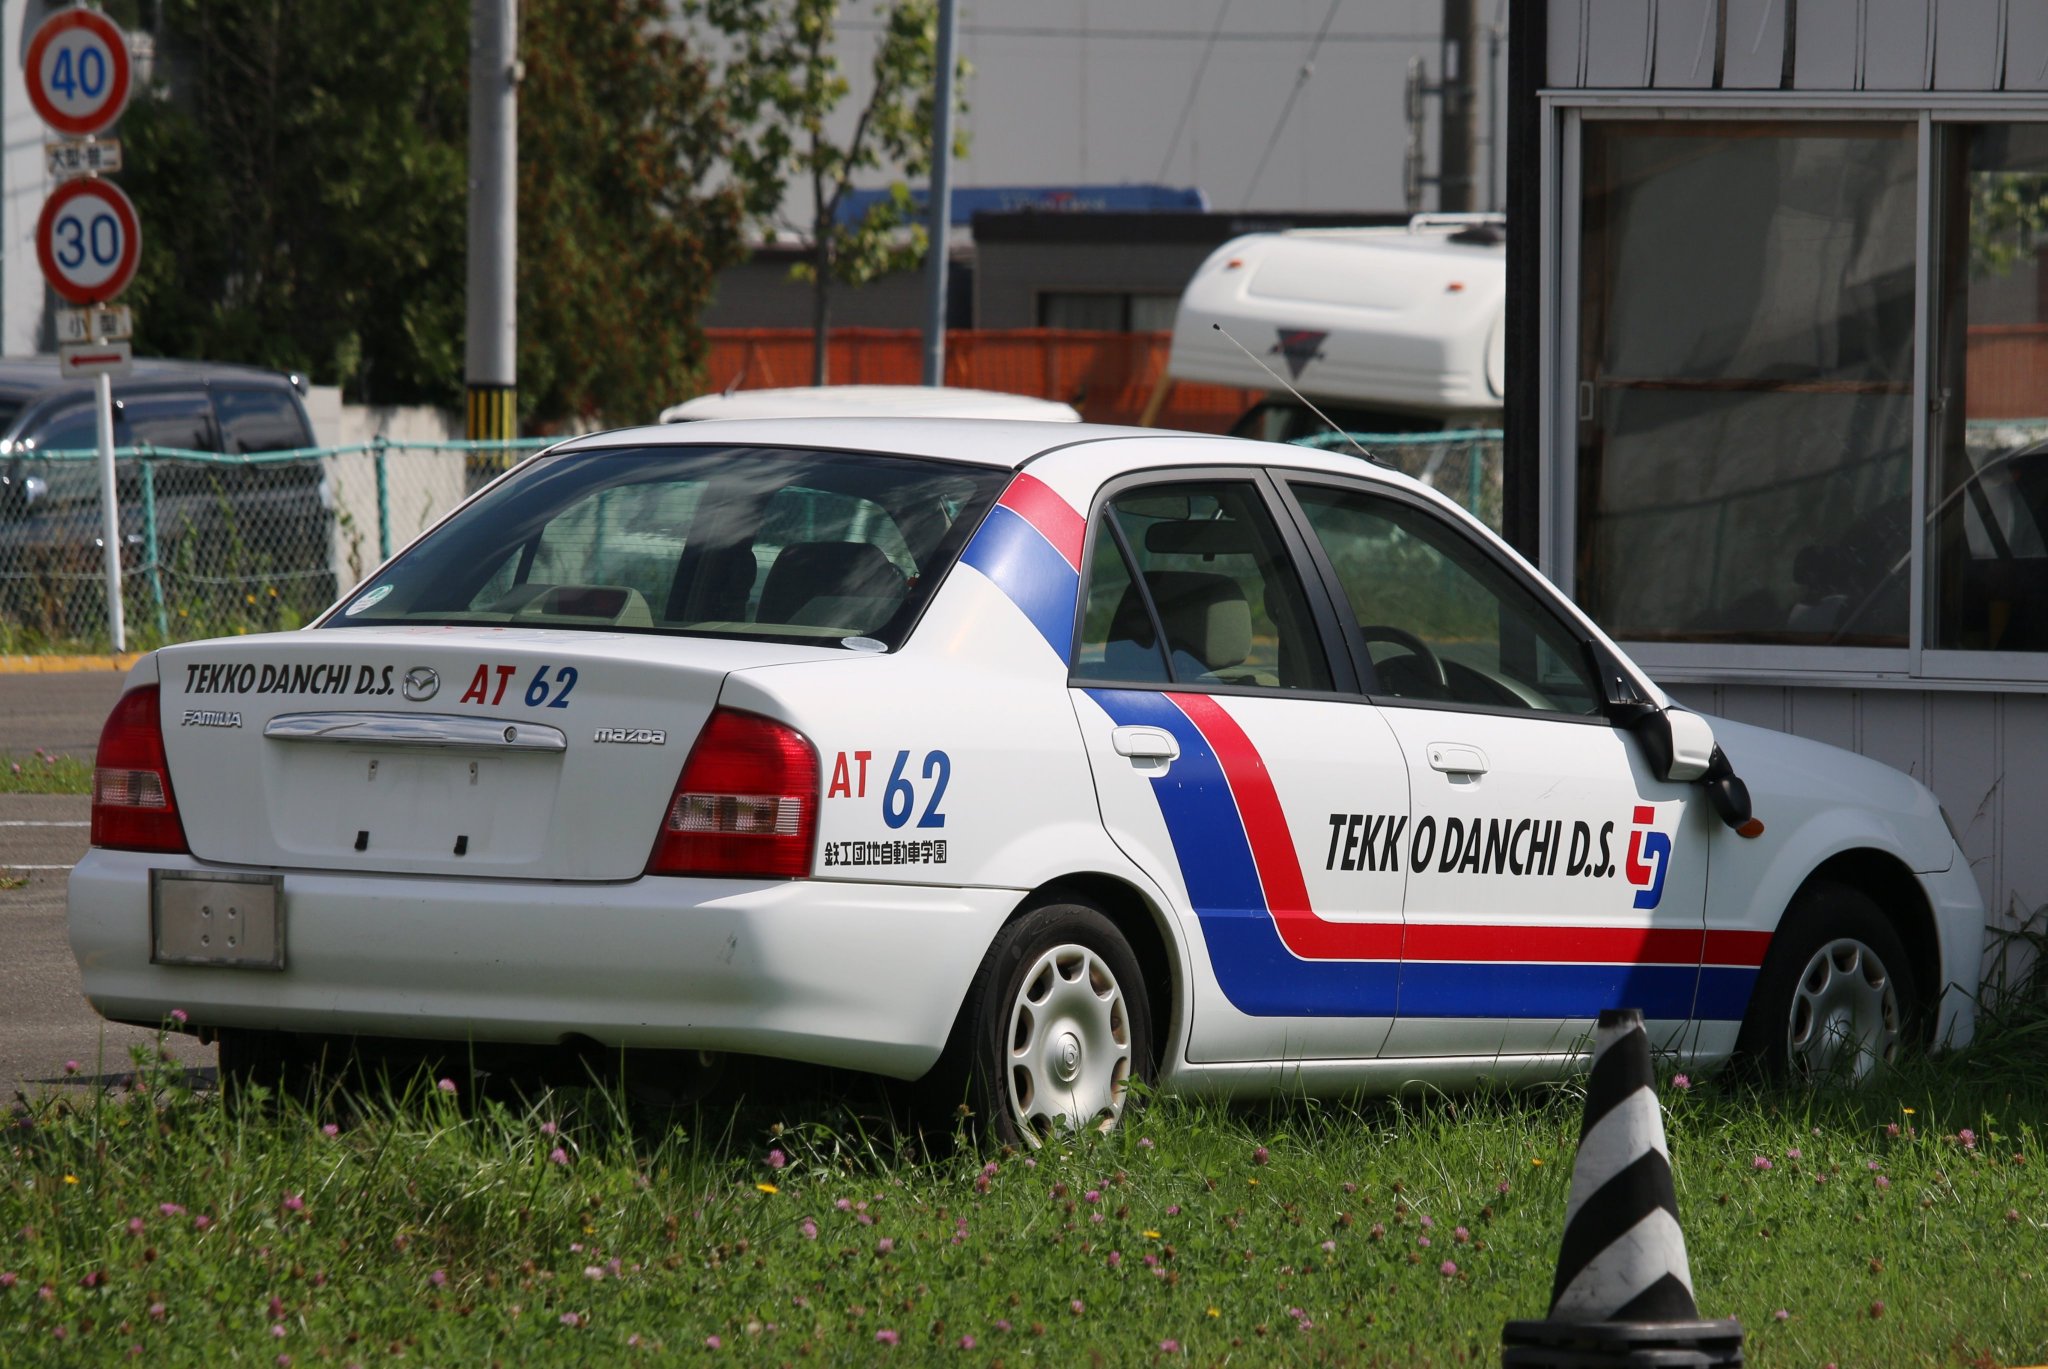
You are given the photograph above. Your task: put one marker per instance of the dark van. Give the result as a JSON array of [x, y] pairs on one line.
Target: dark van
[[217, 525]]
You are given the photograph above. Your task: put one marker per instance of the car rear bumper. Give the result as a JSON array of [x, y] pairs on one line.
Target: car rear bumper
[[866, 976]]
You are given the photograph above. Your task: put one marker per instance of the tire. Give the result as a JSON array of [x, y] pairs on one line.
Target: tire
[[1837, 1001], [1056, 1026], [268, 1058]]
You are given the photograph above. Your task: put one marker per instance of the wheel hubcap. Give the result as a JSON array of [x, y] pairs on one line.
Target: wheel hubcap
[[1845, 1014], [1069, 1044]]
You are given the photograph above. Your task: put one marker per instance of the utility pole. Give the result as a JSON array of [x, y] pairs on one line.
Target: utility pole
[[490, 359], [941, 203], [1458, 68]]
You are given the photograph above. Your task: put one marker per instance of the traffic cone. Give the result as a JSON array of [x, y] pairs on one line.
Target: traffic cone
[[1623, 1292]]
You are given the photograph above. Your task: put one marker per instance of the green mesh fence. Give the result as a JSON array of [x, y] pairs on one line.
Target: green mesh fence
[[215, 545], [1463, 465]]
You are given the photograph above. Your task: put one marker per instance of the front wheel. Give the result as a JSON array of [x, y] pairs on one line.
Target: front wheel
[[1836, 1000], [1057, 1026]]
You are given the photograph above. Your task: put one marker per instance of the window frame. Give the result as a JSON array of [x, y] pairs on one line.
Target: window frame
[[1542, 594], [1324, 620], [1915, 665]]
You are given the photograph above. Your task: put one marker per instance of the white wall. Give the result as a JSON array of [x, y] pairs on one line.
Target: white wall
[[22, 186]]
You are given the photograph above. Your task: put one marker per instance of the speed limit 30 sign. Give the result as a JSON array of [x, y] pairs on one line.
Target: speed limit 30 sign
[[87, 241], [78, 73]]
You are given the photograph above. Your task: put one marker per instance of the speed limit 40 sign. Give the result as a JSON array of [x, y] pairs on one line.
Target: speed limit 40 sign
[[78, 73], [87, 241]]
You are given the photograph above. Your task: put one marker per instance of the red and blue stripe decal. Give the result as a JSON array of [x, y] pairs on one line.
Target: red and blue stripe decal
[[1029, 546], [1274, 956]]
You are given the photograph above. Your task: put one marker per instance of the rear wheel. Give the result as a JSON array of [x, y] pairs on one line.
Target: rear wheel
[[1836, 1001], [1056, 1027], [269, 1058]]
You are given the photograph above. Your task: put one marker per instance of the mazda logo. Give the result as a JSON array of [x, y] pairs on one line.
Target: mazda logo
[[421, 683]]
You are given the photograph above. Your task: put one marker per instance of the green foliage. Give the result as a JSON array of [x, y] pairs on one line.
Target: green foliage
[[2008, 215], [1905, 1224], [784, 85], [625, 214], [301, 188], [45, 772], [302, 181]]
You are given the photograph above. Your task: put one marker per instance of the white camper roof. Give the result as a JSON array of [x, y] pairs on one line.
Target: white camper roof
[[1410, 318], [870, 401]]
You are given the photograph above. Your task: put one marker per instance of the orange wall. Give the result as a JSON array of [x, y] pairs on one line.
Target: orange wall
[[1107, 376]]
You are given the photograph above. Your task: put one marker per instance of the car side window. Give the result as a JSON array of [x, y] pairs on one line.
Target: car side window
[[1211, 586], [1443, 621], [254, 420], [178, 420]]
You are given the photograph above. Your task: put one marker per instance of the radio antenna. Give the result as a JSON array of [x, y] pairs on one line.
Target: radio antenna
[[1298, 395]]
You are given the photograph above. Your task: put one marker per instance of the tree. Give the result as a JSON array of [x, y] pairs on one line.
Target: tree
[[301, 179], [784, 83]]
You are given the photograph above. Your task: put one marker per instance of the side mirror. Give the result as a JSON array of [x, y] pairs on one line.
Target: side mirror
[[1679, 745]]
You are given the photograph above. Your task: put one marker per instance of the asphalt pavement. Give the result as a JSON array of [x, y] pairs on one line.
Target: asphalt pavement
[[45, 1021]]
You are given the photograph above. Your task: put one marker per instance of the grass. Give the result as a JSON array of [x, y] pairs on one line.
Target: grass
[[1905, 1225], [44, 773]]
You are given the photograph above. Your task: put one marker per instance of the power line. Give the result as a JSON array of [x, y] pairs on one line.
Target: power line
[[1308, 69], [1194, 88]]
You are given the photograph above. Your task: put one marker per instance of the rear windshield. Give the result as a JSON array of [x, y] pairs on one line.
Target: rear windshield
[[694, 541]]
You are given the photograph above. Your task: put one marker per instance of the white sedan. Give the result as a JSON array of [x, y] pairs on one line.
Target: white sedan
[[1027, 759]]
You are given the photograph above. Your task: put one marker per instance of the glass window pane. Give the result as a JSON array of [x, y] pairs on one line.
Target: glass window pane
[[1988, 552], [259, 420], [797, 545], [1745, 396], [1089, 312], [1442, 621], [1153, 313], [1118, 639], [1229, 603]]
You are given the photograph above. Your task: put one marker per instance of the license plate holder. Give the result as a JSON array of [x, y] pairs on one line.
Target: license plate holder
[[226, 921]]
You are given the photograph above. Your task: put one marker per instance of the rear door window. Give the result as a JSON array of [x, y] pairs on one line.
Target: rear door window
[[695, 540], [259, 420], [1214, 599]]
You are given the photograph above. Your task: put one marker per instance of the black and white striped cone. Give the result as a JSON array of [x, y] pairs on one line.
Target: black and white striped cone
[[1623, 1292]]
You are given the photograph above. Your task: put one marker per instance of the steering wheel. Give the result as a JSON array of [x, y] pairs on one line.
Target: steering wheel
[[1409, 642]]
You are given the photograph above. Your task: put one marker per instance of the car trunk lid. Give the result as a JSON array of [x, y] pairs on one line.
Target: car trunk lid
[[531, 754]]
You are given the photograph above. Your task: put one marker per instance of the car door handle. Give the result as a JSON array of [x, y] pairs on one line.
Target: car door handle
[[1456, 760], [1149, 748]]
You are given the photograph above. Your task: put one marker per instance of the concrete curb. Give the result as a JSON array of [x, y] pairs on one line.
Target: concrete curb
[[50, 665]]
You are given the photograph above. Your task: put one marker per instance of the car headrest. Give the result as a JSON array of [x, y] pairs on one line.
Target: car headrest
[[1205, 616], [805, 571]]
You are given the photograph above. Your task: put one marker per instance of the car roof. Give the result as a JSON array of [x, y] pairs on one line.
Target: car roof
[[25, 377], [1003, 443], [881, 401]]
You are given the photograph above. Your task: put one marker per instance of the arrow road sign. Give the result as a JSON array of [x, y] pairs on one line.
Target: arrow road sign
[[88, 240], [77, 71], [96, 358]]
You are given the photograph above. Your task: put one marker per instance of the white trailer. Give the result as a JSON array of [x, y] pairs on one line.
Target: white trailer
[[1385, 329]]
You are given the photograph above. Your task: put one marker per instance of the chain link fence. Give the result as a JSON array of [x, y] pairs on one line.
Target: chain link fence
[[215, 545], [1463, 465]]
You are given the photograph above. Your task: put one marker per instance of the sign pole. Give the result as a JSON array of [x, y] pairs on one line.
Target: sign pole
[[110, 531], [491, 351], [941, 205], [87, 240]]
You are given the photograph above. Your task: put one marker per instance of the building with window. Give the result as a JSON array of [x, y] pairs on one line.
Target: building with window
[[1780, 357]]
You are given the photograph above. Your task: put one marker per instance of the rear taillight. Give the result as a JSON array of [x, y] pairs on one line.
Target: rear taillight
[[133, 808], [747, 803]]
